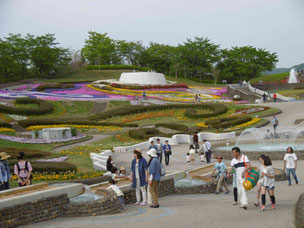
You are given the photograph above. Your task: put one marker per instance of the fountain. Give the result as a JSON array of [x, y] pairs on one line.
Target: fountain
[[293, 76], [268, 140], [87, 196]]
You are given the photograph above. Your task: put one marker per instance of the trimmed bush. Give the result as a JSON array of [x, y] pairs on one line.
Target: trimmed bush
[[117, 67], [218, 109], [45, 107], [230, 121], [143, 133], [75, 120], [135, 87], [49, 167], [30, 154], [55, 86], [5, 124], [174, 126]]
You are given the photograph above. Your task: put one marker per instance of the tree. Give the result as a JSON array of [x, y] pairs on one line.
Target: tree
[[99, 49], [130, 52], [244, 63], [199, 56]]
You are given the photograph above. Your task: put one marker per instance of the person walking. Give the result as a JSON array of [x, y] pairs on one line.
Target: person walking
[[139, 176], [195, 142], [268, 182], [241, 164], [274, 97], [159, 150], [191, 140], [207, 150], [5, 175], [192, 155], [259, 187], [220, 167], [167, 151], [23, 170], [290, 165], [152, 145], [154, 177], [275, 122], [264, 97]]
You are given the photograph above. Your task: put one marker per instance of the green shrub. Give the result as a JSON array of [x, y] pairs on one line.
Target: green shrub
[[174, 126], [299, 87], [74, 131], [29, 153], [117, 67], [45, 107], [230, 121], [217, 109], [49, 167], [5, 124], [143, 133], [55, 86], [73, 120]]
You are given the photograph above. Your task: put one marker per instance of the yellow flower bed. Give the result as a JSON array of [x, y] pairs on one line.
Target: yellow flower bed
[[83, 153], [141, 91], [202, 124], [63, 176], [5, 129], [99, 128], [253, 121]]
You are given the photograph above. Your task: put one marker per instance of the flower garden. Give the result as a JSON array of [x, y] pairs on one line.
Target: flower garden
[[71, 105]]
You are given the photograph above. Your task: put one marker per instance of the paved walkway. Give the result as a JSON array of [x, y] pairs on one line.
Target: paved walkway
[[209, 210]]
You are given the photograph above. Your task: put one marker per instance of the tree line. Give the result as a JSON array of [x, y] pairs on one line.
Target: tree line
[[198, 59]]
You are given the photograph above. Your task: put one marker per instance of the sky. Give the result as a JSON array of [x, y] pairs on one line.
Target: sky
[[275, 25]]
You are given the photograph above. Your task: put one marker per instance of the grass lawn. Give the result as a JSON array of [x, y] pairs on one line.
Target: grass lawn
[[296, 93], [270, 78], [117, 104]]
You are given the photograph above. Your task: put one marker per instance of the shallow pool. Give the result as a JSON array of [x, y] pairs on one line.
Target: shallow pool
[[187, 182], [265, 147]]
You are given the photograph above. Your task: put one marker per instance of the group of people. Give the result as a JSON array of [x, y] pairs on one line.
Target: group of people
[[205, 152], [240, 167], [22, 169], [162, 149], [268, 96], [197, 98]]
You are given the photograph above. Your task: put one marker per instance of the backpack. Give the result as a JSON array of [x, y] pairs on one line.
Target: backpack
[[25, 168]]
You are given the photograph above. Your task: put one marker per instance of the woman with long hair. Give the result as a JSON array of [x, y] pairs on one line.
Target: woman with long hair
[[290, 165]]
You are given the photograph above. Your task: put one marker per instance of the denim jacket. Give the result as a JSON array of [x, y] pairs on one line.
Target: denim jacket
[[4, 171], [143, 167]]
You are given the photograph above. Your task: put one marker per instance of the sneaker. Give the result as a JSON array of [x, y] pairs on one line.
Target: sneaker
[[137, 203], [274, 206], [245, 207], [154, 206], [217, 192], [289, 184], [227, 192], [297, 182], [143, 204], [263, 208], [257, 204], [235, 203]]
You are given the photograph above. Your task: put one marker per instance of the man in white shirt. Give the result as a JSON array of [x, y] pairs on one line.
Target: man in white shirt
[[290, 165], [241, 164], [207, 147]]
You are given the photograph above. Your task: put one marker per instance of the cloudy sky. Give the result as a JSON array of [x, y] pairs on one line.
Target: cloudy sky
[[276, 25]]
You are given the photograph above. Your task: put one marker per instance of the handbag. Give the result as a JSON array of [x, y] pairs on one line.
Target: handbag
[[162, 171], [251, 178]]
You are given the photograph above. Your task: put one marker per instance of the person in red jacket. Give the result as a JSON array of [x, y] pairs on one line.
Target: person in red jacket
[[275, 97]]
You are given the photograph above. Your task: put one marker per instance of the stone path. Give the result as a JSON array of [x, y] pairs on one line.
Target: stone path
[[208, 210]]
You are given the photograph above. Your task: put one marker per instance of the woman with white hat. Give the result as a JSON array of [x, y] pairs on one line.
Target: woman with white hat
[[139, 176], [154, 177], [4, 171]]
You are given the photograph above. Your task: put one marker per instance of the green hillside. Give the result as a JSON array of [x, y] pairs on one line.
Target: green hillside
[[285, 70], [271, 78]]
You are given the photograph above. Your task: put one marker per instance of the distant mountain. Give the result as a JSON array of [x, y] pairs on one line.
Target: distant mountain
[[284, 70]]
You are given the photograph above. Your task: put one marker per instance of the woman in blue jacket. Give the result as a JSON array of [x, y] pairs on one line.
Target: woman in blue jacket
[[4, 171], [139, 176]]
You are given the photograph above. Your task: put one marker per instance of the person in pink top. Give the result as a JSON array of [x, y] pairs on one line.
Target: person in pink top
[[23, 169]]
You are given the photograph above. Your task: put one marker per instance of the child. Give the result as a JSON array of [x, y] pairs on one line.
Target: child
[[202, 157], [192, 154], [220, 167], [188, 158], [259, 169], [268, 181], [117, 190]]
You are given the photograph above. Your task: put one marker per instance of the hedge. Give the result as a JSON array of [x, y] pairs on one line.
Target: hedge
[[228, 121], [5, 124], [135, 87], [44, 107], [174, 126], [29, 153], [75, 120], [55, 86], [117, 67], [218, 109], [49, 167], [143, 133]]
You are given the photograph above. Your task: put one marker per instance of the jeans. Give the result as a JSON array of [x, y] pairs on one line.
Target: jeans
[[4, 186], [160, 157], [293, 172], [167, 157], [208, 156], [221, 182], [121, 200]]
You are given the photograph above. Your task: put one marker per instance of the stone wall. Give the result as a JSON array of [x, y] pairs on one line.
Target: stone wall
[[105, 206], [165, 187], [199, 189], [250, 97], [36, 211], [299, 212], [272, 87]]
